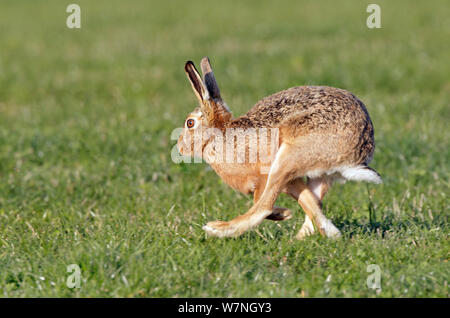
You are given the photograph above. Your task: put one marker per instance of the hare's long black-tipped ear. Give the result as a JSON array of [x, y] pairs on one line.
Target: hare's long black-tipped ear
[[196, 81], [210, 80]]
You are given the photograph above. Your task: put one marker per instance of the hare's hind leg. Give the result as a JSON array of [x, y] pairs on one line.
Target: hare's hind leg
[[310, 196], [281, 172], [319, 187]]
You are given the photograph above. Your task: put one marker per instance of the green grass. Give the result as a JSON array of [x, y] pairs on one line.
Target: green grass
[[86, 175]]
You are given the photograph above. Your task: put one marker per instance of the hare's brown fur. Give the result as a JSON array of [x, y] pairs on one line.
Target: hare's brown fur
[[325, 112], [325, 133]]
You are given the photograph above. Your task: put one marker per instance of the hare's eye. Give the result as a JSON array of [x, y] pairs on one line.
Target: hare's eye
[[190, 123]]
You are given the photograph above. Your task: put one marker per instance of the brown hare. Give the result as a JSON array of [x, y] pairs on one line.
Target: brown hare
[[323, 134]]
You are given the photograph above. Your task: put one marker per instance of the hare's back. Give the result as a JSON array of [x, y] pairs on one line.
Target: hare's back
[[331, 124], [317, 106]]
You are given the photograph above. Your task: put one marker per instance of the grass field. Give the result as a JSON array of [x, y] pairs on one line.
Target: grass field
[[86, 175]]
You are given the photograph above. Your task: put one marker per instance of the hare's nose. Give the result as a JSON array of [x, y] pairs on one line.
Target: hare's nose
[[180, 145]]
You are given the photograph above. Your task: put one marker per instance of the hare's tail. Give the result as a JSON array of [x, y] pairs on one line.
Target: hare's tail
[[361, 173], [341, 174]]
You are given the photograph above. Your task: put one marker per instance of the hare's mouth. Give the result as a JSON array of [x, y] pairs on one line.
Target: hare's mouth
[[180, 146]]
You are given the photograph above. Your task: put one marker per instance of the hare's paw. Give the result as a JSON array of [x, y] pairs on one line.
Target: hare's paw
[[330, 231], [220, 229], [280, 214], [306, 230]]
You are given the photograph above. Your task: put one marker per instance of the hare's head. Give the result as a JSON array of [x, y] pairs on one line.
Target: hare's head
[[211, 113]]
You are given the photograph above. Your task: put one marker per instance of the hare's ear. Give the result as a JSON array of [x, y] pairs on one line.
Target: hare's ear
[[196, 81], [210, 80]]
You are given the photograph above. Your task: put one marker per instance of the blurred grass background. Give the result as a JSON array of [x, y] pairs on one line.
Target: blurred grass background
[[87, 178]]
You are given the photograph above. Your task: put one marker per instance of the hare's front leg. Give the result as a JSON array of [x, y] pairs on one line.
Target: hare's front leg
[[278, 213], [280, 173]]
